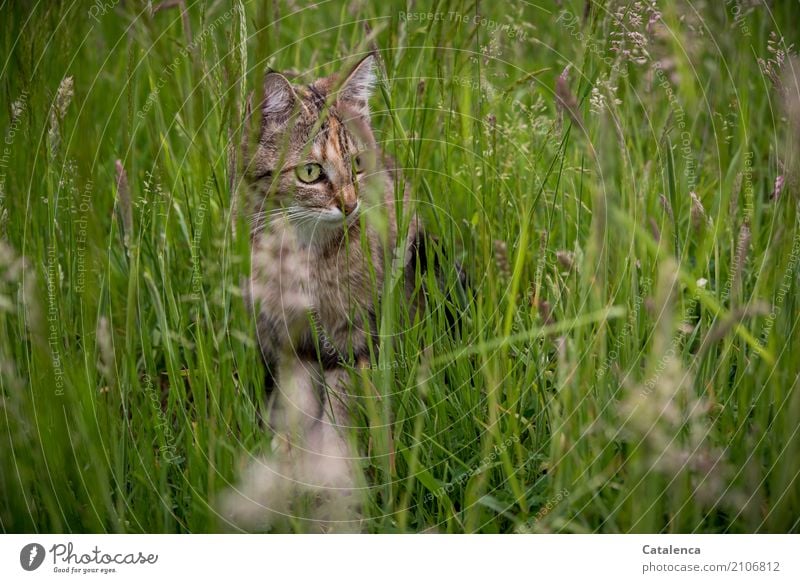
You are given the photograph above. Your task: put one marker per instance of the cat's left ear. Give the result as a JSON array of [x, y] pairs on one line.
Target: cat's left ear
[[358, 86]]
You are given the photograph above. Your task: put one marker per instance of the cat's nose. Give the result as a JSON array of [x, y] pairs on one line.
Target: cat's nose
[[348, 201], [349, 206]]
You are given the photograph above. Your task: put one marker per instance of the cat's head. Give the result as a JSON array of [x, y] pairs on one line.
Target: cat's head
[[316, 150]]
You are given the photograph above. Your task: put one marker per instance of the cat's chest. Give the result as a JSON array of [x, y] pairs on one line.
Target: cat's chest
[[338, 285], [341, 281]]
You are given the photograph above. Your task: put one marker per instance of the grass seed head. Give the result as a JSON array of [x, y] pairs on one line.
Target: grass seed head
[[124, 202]]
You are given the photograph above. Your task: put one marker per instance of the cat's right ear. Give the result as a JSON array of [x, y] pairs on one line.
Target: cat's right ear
[[279, 98]]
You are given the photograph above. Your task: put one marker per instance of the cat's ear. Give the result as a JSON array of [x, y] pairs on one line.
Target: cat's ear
[[358, 85], [279, 98]]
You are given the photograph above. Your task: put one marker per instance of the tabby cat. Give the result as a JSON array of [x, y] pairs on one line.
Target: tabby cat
[[323, 218]]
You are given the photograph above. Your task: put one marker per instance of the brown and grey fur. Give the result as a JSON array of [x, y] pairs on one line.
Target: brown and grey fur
[[317, 274], [318, 260]]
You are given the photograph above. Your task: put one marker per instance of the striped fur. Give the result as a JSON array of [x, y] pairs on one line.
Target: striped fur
[[316, 269]]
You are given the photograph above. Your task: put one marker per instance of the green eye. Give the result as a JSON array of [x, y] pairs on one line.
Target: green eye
[[358, 163], [308, 172]]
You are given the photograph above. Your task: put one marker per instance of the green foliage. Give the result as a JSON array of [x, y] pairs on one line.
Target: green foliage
[[628, 359]]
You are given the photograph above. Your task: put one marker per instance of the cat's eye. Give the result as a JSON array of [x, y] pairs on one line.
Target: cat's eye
[[308, 173], [360, 162]]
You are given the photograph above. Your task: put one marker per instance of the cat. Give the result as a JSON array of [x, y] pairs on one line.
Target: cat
[[326, 233], [317, 261], [323, 231]]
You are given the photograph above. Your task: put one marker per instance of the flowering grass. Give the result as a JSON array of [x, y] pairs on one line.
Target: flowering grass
[[619, 181]]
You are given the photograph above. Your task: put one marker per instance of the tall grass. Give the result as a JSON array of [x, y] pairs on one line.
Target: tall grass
[[628, 361]]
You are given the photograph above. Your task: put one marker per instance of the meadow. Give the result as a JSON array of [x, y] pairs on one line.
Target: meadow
[[619, 180]]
